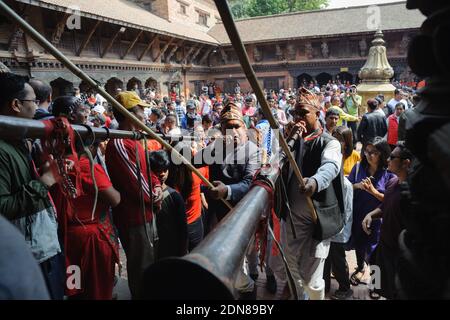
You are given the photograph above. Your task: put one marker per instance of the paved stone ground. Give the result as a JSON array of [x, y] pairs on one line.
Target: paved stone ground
[[121, 290], [360, 292]]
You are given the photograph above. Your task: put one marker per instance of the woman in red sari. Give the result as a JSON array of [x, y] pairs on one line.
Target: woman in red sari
[[90, 238]]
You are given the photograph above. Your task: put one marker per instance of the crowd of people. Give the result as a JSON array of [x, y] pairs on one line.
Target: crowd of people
[[78, 210]]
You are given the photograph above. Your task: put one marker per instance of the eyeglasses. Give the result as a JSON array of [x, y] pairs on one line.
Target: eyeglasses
[[35, 101]]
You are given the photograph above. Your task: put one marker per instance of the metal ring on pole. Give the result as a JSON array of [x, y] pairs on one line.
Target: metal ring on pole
[[107, 132], [87, 142]]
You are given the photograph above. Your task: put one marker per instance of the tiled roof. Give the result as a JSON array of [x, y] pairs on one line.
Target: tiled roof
[[394, 16], [129, 14]]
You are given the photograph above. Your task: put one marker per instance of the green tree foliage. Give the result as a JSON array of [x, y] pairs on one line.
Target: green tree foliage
[[255, 8]]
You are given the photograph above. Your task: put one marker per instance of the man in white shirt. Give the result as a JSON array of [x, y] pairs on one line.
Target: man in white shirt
[[283, 102], [396, 100], [206, 105], [319, 157]]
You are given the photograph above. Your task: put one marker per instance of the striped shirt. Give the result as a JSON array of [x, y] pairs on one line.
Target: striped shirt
[[127, 179]]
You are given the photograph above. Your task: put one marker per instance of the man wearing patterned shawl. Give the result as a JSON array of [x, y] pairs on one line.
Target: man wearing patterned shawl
[[318, 155]]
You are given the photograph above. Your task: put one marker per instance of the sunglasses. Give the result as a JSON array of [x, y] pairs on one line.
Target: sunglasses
[[392, 157]]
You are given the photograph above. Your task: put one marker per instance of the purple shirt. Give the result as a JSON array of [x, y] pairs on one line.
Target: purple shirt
[[363, 203]]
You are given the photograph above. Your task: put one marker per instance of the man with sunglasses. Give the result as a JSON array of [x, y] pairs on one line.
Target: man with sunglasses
[[319, 158], [388, 251]]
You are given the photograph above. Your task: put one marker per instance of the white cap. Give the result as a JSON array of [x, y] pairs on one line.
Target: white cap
[[99, 109]]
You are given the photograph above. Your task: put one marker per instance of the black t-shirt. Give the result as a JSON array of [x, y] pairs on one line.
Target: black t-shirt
[[20, 275], [171, 223]]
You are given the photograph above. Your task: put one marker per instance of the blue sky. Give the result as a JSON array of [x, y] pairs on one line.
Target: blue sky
[[352, 3]]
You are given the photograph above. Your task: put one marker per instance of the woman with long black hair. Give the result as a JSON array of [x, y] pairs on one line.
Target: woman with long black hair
[[188, 184], [369, 179]]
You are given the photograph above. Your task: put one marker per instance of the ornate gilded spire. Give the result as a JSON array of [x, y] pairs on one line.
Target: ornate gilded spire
[[377, 67]]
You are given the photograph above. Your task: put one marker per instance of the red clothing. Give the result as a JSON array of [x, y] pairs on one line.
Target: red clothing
[[92, 100], [248, 111], [122, 168], [153, 145], [90, 242], [421, 84], [194, 200], [107, 121], [392, 129]]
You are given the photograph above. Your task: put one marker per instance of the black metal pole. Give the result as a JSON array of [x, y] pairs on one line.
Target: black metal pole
[[209, 271]]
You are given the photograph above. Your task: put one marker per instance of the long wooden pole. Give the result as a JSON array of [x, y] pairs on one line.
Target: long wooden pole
[[239, 48], [26, 27]]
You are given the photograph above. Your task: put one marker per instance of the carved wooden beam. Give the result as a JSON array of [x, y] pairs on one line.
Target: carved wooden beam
[[150, 44], [88, 38], [132, 44], [174, 49], [203, 58], [111, 42], [161, 52], [187, 54], [196, 53], [17, 33], [224, 55], [59, 30], [171, 53], [14, 39]]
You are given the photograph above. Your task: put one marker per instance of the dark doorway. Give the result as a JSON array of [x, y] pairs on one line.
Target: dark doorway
[[304, 79], [131, 85], [112, 85], [271, 84], [198, 87], [85, 88], [61, 87], [345, 77], [151, 83], [324, 78], [229, 86]]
